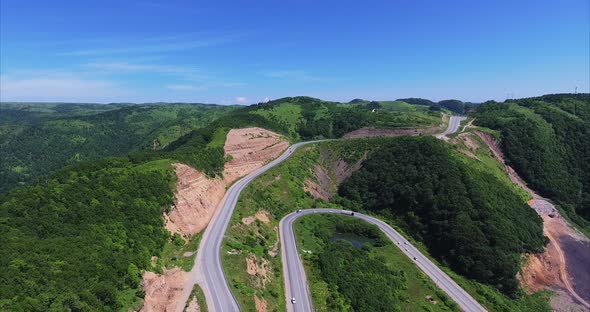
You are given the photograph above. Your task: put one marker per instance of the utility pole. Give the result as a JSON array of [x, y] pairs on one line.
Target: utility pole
[[576, 90]]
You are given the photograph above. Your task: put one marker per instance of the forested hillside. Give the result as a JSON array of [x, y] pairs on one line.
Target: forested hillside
[[455, 106], [79, 241], [308, 118], [36, 139], [547, 141], [463, 214], [79, 237], [487, 204], [354, 267]]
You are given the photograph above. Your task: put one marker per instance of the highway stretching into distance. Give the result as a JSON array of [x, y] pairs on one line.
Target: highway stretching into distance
[[294, 273], [208, 270], [454, 123]]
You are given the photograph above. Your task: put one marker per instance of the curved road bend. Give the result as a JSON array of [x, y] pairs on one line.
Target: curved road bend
[[296, 282], [207, 270]]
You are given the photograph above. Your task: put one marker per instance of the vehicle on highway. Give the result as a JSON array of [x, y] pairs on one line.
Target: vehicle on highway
[[346, 212], [293, 300]]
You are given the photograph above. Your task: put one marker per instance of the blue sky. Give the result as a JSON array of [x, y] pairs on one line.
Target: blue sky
[[248, 51]]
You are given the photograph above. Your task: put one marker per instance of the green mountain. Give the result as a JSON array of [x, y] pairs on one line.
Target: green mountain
[[547, 141], [37, 138], [461, 213], [457, 209], [79, 237]]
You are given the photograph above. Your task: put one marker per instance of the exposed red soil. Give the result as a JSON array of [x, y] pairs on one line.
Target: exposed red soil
[[197, 198], [261, 305], [163, 292]]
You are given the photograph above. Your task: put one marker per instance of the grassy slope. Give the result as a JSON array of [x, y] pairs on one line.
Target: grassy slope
[[287, 113], [280, 191]]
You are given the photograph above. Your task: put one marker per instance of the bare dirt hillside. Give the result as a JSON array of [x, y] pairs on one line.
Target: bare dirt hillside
[[163, 292], [328, 175], [197, 198]]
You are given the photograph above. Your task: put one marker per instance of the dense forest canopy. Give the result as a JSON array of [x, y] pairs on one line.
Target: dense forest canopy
[[462, 214], [365, 283], [79, 241], [36, 139], [547, 140]]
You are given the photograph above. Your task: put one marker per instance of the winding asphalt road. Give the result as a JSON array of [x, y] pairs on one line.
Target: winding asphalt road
[[296, 282], [207, 270]]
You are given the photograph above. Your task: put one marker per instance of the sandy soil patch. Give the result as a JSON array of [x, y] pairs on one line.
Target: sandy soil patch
[[250, 149], [193, 306], [163, 292], [261, 216], [197, 197], [259, 269], [261, 305]]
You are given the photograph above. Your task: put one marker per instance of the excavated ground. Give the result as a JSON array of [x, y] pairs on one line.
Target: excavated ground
[[197, 198]]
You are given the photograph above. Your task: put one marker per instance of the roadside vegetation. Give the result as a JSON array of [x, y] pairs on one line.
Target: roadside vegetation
[[462, 214], [198, 295], [352, 266], [280, 191], [547, 141]]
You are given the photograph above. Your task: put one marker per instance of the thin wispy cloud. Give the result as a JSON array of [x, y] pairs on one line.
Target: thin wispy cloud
[[205, 86], [299, 75], [182, 87], [57, 88], [127, 67], [154, 46]]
